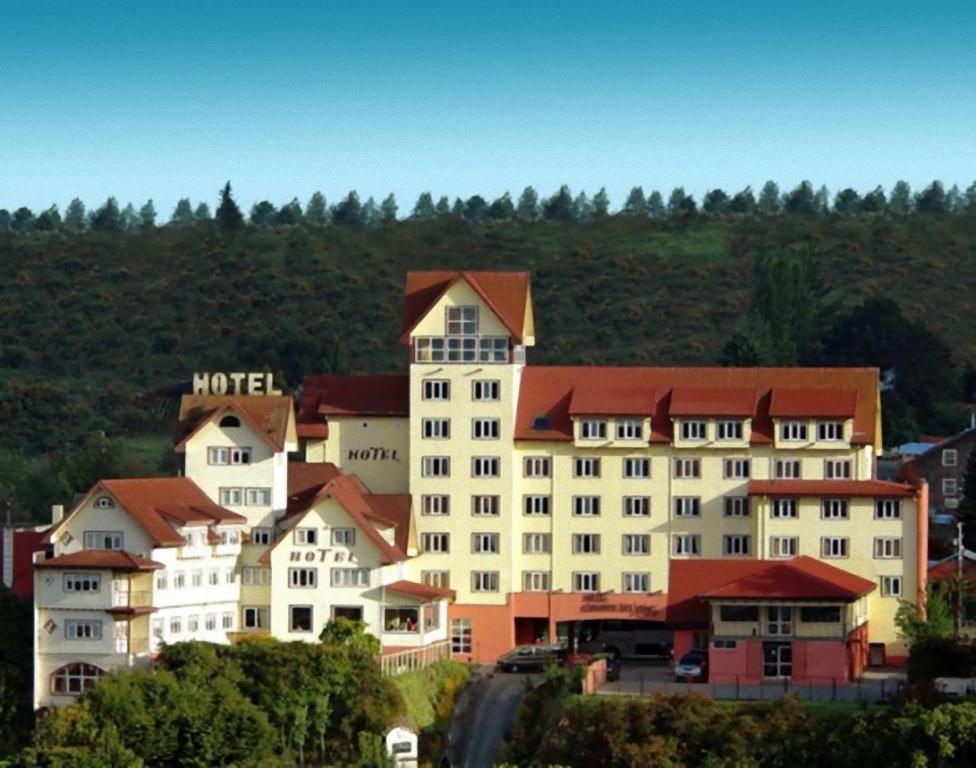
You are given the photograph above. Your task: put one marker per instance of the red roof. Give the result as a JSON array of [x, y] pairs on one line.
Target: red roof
[[611, 399], [549, 391], [394, 509], [101, 559], [506, 293], [268, 415], [713, 401], [355, 395], [949, 569], [693, 582], [811, 403], [21, 546], [420, 591], [832, 488], [305, 479]]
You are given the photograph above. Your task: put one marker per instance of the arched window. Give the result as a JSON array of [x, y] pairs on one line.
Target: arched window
[[75, 678], [104, 502], [230, 421]]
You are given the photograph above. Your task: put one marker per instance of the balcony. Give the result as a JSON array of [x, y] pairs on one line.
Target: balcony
[[461, 349], [131, 601]]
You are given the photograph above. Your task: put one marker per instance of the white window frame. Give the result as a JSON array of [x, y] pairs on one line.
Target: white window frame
[[834, 547], [306, 536], [789, 469], [303, 578], [830, 431], [637, 506], [537, 467], [435, 504], [462, 636], [343, 537], [486, 390], [536, 505], [593, 429], [484, 428], [694, 429], [586, 467], [463, 317], [887, 548], [535, 581], [637, 467], [793, 431], [638, 544], [261, 536], [736, 469], [687, 468], [728, 430], [485, 543], [115, 539], [255, 576], [440, 579], [950, 457], [736, 506], [635, 582], [82, 629], [87, 583], [536, 543], [586, 581], [586, 543], [349, 577], [887, 509], [686, 545], [736, 545], [950, 486], [435, 429], [784, 508], [435, 542], [435, 466], [838, 469], [485, 581], [436, 390], [834, 509], [630, 429], [687, 506], [892, 586], [291, 617], [586, 506], [486, 505], [784, 546], [486, 466]]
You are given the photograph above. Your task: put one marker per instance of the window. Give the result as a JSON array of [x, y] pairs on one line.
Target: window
[[176, 625], [161, 580], [82, 582], [693, 430], [783, 546], [484, 581], [736, 469], [306, 536], [637, 506], [833, 509], [586, 543], [349, 577], [435, 542], [461, 349], [630, 429], [485, 506], [830, 430], [210, 622], [636, 544], [462, 321], [485, 466], [194, 538], [253, 577], [441, 579], [891, 586], [436, 389], [435, 505], [687, 506], [83, 629], [737, 506], [793, 430], [196, 578], [485, 429], [779, 620], [537, 466], [783, 508], [484, 543], [261, 536], [833, 546], [537, 506], [687, 468], [460, 635], [255, 617], [535, 543], [593, 429], [179, 580], [586, 466], [729, 430], [432, 616], [687, 544], [586, 581], [258, 497], [104, 502], [74, 679], [300, 618], [343, 537], [950, 457], [232, 536], [738, 614], [103, 539], [192, 623], [820, 614], [435, 428], [887, 509], [637, 468], [435, 466], [230, 575], [535, 581], [485, 389], [586, 506], [218, 455], [950, 486], [724, 645], [302, 577], [787, 469], [887, 548], [837, 469], [213, 577], [735, 545], [636, 582]]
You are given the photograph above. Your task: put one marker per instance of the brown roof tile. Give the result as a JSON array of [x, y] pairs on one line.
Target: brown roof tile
[[267, 414], [101, 559], [353, 395], [865, 488]]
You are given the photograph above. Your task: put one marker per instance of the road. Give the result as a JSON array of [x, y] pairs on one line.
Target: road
[[487, 712]]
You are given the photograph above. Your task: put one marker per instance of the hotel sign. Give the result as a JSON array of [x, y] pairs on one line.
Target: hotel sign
[[237, 383]]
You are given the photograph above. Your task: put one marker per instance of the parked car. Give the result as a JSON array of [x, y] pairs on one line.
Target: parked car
[[526, 657], [692, 666]]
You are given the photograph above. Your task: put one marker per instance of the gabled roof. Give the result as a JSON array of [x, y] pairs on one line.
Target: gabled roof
[[713, 401], [158, 504], [305, 480], [611, 399], [834, 488], [268, 415], [550, 390], [101, 559], [394, 508], [355, 395], [812, 403], [506, 293], [419, 591], [693, 582]]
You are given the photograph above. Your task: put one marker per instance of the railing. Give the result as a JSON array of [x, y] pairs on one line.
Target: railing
[[414, 658]]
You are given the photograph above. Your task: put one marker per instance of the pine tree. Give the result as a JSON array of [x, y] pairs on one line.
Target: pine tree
[[4, 220], [743, 202], [129, 219], [349, 211], [559, 207], [183, 213], [229, 216], [263, 214], [107, 218], [681, 204], [147, 215], [655, 205], [601, 204], [874, 201], [801, 200], [22, 220], [769, 202], [371, 213], [900, 201], [847, 202], [502, 209], [821, 201], [475, 208], [202, 213], [443, 206], [290, 214], [582, 208], [971, 198], [528, 205], [458, 208], [74, 216], [317, 211], [716, 203], [49, 220], [424, 208], [954, 201], [636, 203], [932, 199], [388, 210]]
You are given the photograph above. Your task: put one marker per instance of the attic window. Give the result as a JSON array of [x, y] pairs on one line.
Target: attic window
[[540, 422], [104, 502], [230, 421]]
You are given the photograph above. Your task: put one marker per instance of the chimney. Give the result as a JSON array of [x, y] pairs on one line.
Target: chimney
[[57, 513]]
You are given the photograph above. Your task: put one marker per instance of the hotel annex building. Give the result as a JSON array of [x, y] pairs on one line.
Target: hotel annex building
[[478, 502]]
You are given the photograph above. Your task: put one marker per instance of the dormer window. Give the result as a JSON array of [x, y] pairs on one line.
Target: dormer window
[[462, 321], [729, 430], [104, 502], [693, 430], [830, 430], [793, 430], [230, 421], [593, 429], [630, 429], [540, 422]]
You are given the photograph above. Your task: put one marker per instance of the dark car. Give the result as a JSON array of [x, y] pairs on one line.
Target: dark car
[[692, 666], [525, 657]]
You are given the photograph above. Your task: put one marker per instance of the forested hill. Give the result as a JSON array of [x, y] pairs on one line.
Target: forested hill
[[87, 319]]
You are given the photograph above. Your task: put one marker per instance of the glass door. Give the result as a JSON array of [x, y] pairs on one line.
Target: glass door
[[777, 660]]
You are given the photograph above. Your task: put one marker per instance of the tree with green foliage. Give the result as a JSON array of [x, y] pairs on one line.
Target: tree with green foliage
[[349, 211], [635, 204], [559, 207], [874, 201], [970, 201], [372, 752], [582, 207], [388, 210], [4, 220], [769, 201], [527, 208], [371, 215], [317, 210], [424, 207], [16, 669], [182, 214], [475, 208], [74, 216], [290, 214], [900, 202], [681, 205], [202, 212], [847, 202], [601, 204], [22, 221], [932, 199], [743, 202], [502, 208], [129, 219], [954, 201], [108, 218], [147, 215], [443, 207], [655, 206], [715, 202], [801, 200], [48, 220], [229, 217], [457, 208], [263, 214], [935, 621], [821, 201]]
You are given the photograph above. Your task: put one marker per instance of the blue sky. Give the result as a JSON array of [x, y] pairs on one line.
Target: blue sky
[[171, 99]]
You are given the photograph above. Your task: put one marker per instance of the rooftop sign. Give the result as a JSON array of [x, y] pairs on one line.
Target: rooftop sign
[[234, 384]]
